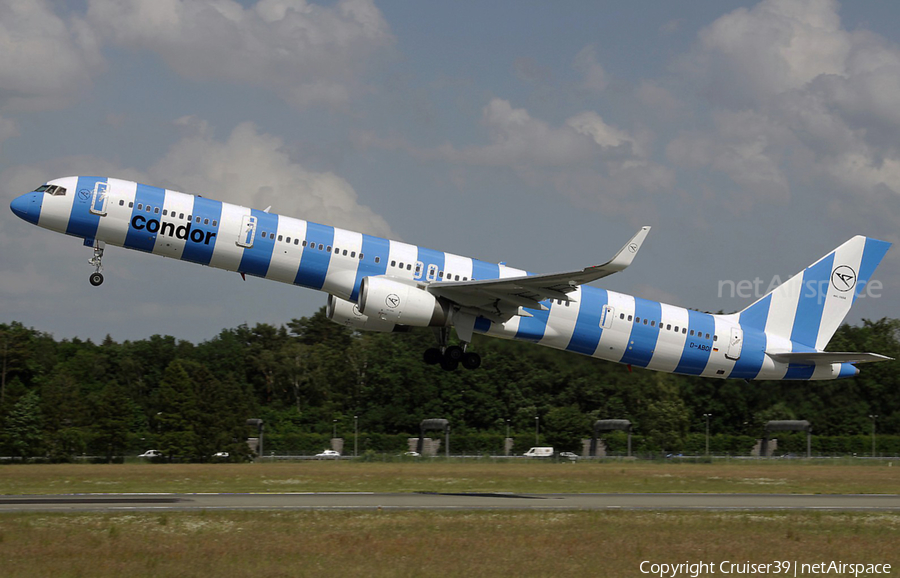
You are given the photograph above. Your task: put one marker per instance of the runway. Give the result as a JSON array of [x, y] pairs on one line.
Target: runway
[[448, 501]]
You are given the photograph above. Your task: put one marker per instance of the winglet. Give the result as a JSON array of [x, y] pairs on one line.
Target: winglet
[[626, 254]]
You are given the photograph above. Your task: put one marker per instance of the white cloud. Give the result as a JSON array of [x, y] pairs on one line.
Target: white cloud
[[253, 169], [798, 99], [594, 77], [586, 160], [46, 60], [518, 139], [305, 52]]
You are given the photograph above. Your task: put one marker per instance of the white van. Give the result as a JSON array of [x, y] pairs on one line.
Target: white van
[[539, 453]]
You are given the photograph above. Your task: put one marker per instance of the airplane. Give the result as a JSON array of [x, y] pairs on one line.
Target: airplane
[[378, 284]]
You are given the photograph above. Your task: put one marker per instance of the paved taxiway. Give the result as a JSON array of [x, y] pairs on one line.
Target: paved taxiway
[[446, 501]]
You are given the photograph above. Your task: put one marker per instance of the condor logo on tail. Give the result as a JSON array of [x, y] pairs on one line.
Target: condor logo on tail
[[182, 232]]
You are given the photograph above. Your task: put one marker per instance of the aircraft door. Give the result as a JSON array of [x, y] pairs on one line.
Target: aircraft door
[[735, 344], [248, 231], [608, 313], [100, 198], [432, 272]]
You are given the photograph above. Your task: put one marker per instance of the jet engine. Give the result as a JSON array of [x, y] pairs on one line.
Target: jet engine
[[344, 312], [407, 304]]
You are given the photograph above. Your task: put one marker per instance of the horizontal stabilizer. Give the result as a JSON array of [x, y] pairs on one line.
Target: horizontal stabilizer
[[819, 357]]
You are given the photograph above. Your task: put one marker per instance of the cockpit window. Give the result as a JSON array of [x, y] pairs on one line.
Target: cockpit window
[[55, 190]]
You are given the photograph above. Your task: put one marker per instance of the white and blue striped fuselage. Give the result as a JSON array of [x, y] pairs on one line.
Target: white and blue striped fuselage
[[595, 322]]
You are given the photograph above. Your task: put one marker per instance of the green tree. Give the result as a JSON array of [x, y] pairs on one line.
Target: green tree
[[22, 427]]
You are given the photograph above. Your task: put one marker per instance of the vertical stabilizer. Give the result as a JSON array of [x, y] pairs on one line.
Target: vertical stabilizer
[[810, 306]]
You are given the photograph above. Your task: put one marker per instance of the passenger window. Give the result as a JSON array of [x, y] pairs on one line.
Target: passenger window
[[321, 246], [215, 223], [156, 210], [181, 215], [684, 329], [645, 321], [692, 332], [676, 329], [669, 327], [353, 253], [287, 240], [130, 204], [344, 252], [707, 335], [653, 324], [629, 317], [280, 238], [393, 263], [328, 249], [296, 241], [122, 202], [377, 259], [621, 316], [205, 221], [637, 319], [303, 244], [140, 206]]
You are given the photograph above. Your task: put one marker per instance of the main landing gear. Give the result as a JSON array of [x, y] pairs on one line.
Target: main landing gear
[[449, 357], [97, 277]]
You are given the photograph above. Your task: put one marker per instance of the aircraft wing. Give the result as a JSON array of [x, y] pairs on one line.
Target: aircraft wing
[[814, 357], [500, 299]]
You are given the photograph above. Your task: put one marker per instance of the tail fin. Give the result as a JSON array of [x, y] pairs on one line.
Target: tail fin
[[810, 306]]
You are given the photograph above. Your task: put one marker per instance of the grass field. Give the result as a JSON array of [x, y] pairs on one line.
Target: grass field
[[770, 476], [470, 544], [418, 543]]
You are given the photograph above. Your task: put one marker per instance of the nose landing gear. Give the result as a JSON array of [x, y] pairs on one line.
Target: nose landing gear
[[97, 277]]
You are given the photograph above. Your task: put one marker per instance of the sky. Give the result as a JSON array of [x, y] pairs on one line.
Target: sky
[[754, 137]]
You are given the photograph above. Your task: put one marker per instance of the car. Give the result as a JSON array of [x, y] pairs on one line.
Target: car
[[412, 454], [568, 455], [220, 455], [151, 454], [329, 454]]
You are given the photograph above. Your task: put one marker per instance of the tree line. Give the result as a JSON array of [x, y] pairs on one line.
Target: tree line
[[310, 378]]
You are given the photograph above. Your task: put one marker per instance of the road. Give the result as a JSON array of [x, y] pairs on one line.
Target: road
[[448, 501]]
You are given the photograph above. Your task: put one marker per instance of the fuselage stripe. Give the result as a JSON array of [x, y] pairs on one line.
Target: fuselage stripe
[[587, 332], [642, 341], [256, 259], [82, 222], [371, 247], [316, 256]]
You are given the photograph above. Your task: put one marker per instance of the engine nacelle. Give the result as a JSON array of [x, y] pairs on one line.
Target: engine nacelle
[[344, 312], [392, 300]]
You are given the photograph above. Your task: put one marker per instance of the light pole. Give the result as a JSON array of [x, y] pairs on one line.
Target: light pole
[[355, 435], [707, 416], [334, 429], [873, 417], [537, 430], [506, 441]]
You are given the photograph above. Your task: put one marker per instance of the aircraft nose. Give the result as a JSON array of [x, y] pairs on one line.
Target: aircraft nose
[[27, 206]]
